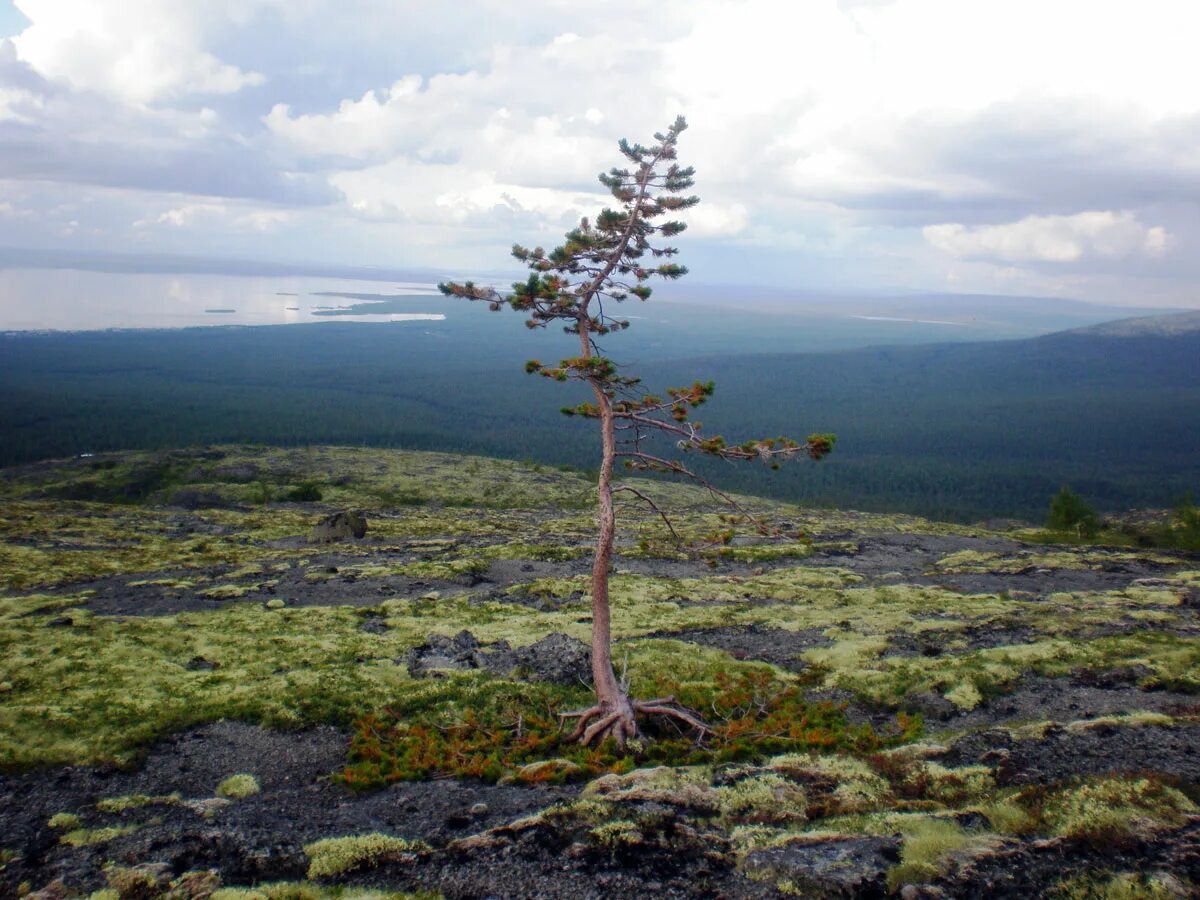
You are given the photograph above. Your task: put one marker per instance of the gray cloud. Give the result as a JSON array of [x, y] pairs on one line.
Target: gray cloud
[[829, 136]]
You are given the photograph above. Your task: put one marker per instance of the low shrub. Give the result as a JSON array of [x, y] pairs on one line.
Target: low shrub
[[305, 492], [477, 728]]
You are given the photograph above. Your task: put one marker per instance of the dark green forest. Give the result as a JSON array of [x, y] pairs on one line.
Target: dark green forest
[[956, 431]]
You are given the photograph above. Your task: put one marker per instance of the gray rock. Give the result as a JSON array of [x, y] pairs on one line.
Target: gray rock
[[932, 706], [461, 652], [556, 657], [849, 866], [341, 526], [239, 473]]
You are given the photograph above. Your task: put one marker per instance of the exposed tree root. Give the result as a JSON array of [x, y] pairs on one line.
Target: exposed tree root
[[618, 719]]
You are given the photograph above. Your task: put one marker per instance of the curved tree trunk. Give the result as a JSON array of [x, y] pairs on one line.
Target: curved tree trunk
[[614, 714], [610, 694]]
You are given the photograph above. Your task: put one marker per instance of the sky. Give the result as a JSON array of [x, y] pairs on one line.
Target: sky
[[1036, 147]]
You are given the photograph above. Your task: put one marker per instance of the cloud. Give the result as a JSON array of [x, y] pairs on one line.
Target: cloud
[[1058, 239], [883, 138], [138, 51], [213, 215]]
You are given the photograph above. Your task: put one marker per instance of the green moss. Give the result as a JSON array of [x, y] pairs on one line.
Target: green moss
[[99, 691], [854, 786], [238, 787], [335, 856], [768, 798], [134, 882], [135, 801], [1107, 811], [1131, 719], [88, 837], [928, 843], [123, 540], [619, 833], [228, 591], [544, 552], [1007, 817], [685, 785], [449, 570], [65, 821], [1123, 886]]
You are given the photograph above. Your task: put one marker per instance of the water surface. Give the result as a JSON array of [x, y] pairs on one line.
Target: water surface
[[76, 300]]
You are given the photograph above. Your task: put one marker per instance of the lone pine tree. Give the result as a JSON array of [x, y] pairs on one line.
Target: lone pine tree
[[608, 262]]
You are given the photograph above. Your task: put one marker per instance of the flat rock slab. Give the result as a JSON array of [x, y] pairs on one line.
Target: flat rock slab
[[777, 646], [556, 657], [850, 866], [1062, 754], [1065, 700]]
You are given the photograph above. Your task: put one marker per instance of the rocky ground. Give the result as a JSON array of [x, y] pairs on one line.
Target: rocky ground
[[185, 677]]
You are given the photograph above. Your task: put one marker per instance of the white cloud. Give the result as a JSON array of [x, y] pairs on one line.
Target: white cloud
[[360, 128], [1061, 239], [183, 216], [139, 51], [215, 215], [716, 219], [831, 130], [264, 219]]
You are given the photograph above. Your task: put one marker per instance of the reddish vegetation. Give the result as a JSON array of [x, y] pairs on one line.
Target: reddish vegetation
[[494, 730]]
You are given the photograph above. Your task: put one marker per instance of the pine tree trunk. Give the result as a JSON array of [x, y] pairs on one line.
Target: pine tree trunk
[[612, 703], [608, 691]]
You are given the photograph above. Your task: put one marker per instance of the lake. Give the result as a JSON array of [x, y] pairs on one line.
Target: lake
[[691, 320], [75, 300]]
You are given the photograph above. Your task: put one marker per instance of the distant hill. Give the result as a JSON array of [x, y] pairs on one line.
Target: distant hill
[[1141, 326]]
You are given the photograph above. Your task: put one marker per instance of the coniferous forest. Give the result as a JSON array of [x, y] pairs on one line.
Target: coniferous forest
[[955, 431]]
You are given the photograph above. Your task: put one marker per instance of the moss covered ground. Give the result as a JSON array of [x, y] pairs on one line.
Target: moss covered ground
[[846, 671]]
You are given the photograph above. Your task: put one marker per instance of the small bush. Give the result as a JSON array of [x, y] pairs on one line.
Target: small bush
[[262, 493], [305, 492], [478, 728], [1069, 513]]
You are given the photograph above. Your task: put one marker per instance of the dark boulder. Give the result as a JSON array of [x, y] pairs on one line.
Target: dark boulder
[[341, 526], [556, 657], [838, 866], [559, 658]]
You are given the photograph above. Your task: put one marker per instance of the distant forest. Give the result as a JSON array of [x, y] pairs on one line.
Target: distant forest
[[953, 431]]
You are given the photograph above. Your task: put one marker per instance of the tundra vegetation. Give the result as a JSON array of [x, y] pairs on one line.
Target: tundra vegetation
[[890, 701]]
